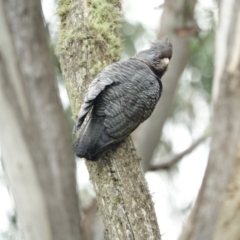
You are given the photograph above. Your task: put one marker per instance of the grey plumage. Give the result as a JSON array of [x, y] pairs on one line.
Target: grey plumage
[[121, 97]]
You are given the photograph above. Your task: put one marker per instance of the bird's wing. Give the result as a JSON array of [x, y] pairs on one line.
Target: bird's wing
[[122, 118], [104, 79], [129, 103]]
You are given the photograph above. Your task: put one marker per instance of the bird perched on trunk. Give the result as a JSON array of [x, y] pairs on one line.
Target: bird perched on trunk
[[121, 97]]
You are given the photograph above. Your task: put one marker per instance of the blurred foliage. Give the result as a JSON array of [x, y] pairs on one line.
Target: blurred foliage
[[196, 81], [201, 63], [13, 232], [130, 32]]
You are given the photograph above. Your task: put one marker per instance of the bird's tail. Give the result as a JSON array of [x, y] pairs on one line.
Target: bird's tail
[[89, 144]]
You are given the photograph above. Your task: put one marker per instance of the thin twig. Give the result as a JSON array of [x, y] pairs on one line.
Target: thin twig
[[172, 160]]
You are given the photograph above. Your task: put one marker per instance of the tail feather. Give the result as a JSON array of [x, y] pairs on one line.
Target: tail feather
[[92, 141]]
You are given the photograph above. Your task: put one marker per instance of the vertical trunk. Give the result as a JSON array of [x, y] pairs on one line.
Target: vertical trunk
[[35, 139], [229, 214], [89, 41], [216, 212]]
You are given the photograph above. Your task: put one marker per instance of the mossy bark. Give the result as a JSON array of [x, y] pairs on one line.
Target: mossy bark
[[89, 41]]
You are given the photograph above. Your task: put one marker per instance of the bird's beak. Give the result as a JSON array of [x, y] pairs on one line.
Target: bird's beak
[[165, 61], [163, 64]]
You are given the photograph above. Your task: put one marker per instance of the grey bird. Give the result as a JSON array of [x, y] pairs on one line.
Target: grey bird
[[121, 97]]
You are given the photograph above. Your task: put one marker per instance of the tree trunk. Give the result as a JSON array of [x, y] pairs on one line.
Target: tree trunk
[[35, 139], [216, 213], [178, 24], [89, 41]]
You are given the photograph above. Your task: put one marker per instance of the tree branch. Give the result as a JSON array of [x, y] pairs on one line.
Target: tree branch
[[89, 41], [171, 161]]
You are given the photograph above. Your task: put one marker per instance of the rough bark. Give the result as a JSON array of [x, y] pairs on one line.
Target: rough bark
[[178, 24], [35, 139], [229, 214], [216, 212], [89, 40]]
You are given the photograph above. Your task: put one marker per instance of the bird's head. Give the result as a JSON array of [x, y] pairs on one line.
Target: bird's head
[[158, 56]]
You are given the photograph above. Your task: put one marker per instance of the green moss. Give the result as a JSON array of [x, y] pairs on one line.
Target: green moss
[[74, 98], [88, 41], [63, 9], [116, 200], [104, 24]]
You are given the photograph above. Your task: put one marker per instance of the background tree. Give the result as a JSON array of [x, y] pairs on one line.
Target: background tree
[[35, 140], [216, 212], [178, 23]]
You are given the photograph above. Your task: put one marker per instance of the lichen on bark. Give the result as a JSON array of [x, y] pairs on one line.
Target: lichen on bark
[[89, 38]]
